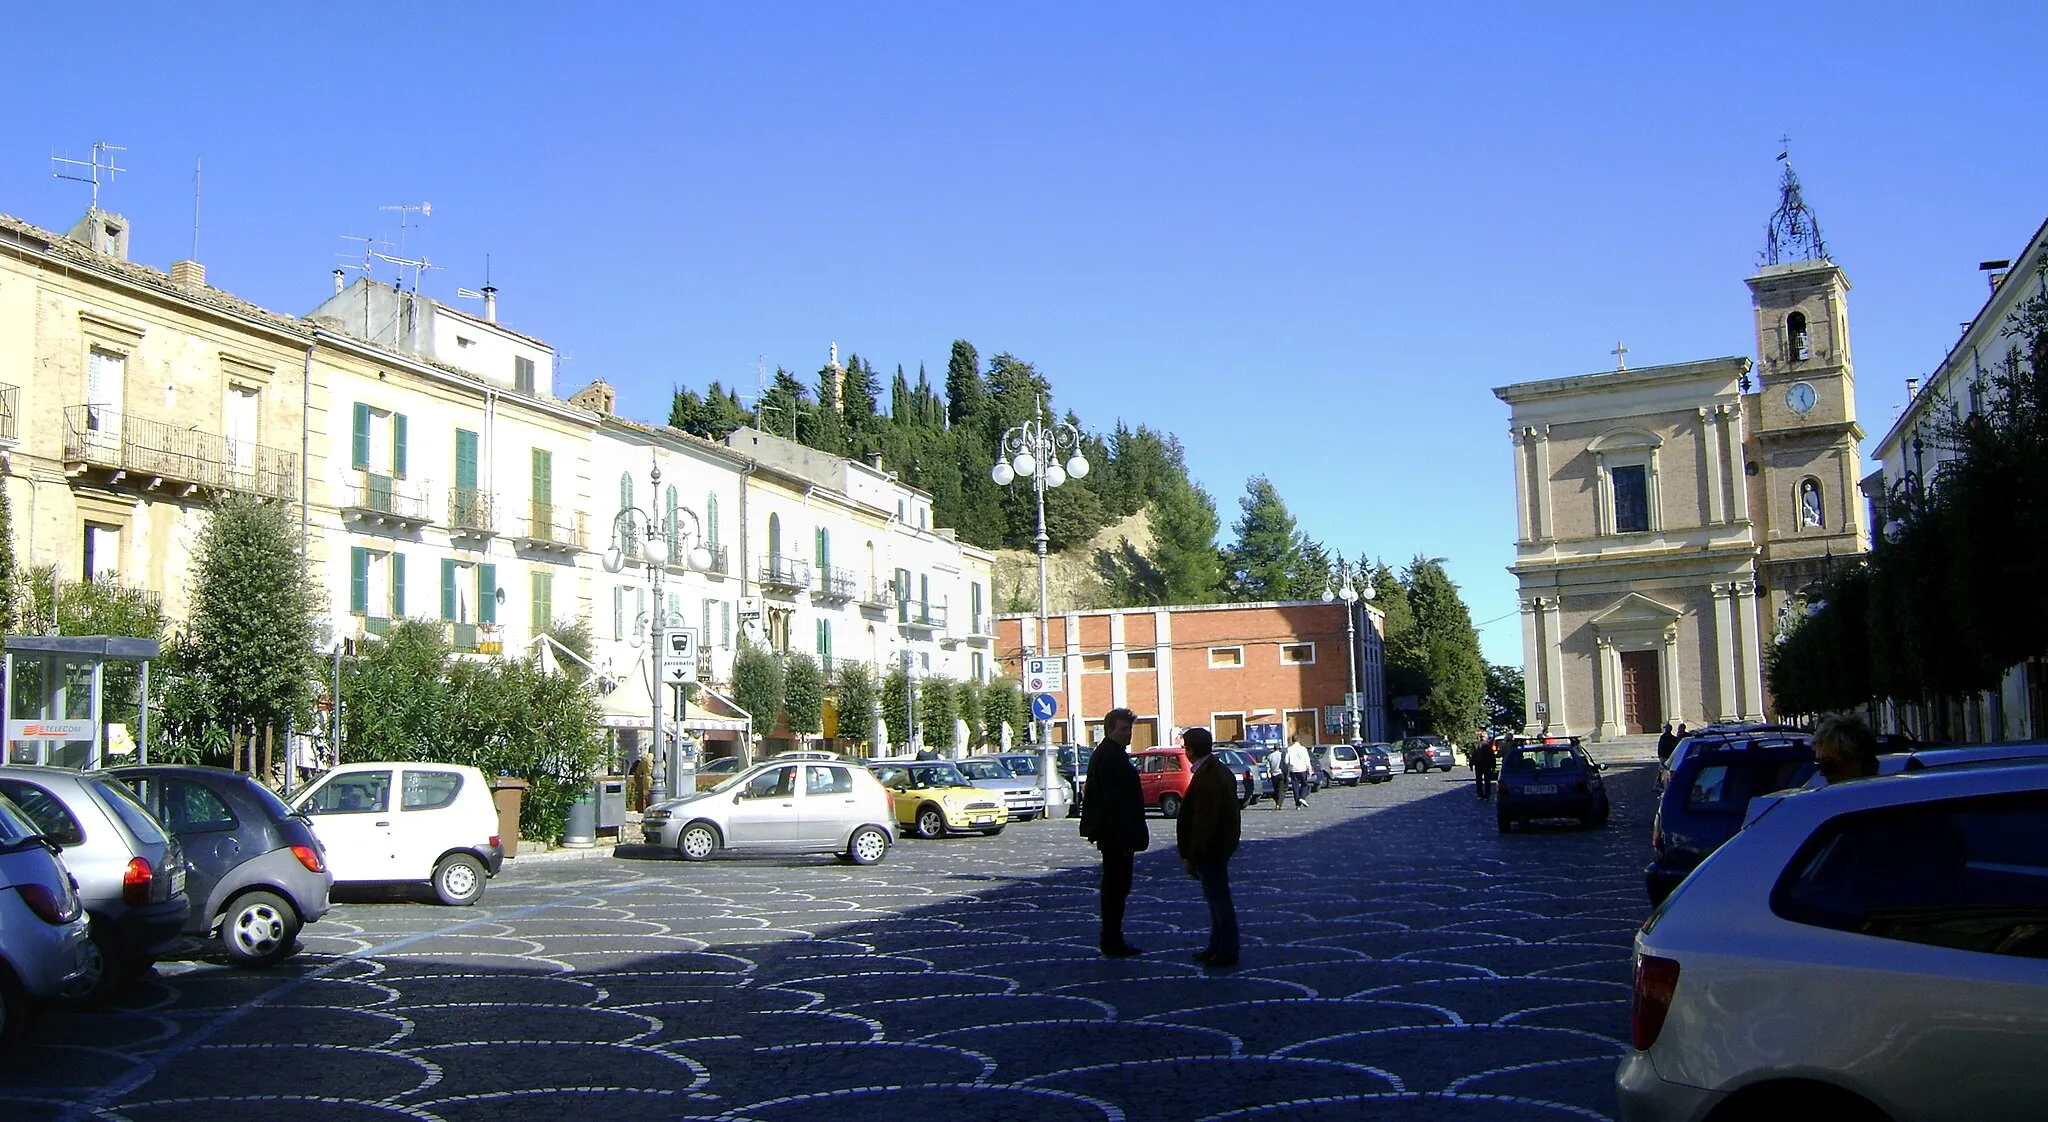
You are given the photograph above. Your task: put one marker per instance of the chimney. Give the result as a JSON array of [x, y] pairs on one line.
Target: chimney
[[339, 283], [1912, 389], [490, 304], [875, 460], [188, 274], [1996, 270]]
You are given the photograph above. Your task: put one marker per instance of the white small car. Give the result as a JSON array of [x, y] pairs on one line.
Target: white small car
[[1875, 949], [407, 823], [802, 805]]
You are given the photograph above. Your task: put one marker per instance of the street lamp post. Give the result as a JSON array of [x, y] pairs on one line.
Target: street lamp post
[[1032, 450], [1353, 717], [654, 548]]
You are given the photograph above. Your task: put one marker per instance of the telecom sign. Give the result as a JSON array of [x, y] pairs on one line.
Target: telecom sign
[[52, 730], [1045, 675], [1044, 707], [679, 654]]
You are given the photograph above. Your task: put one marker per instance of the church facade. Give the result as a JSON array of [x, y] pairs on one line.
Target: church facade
[[1670, 518]]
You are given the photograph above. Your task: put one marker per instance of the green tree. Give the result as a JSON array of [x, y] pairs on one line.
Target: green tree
[[1184, 527], [1506, 696], [855, 698], [830, 433], [859, 404], [803, 690], [937, 707], [896, 705], [1441, 652], [8, 574], [253, 608], [1265, 562], [965, 395], [576, 636], [757, 684], [967, 706], [395, 695], [1002, 705]]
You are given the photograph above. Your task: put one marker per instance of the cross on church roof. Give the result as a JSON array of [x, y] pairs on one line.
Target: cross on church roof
[[1620, 353]]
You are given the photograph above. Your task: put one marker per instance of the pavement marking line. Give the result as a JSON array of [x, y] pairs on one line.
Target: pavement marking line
[[147, 1069]]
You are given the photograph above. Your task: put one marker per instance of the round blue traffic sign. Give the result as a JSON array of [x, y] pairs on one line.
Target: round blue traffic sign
[[1044, 707]]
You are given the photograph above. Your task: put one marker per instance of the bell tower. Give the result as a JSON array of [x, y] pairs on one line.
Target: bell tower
[[1803, 459]]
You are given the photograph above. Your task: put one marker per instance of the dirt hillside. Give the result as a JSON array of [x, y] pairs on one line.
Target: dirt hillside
[[1073, 578]]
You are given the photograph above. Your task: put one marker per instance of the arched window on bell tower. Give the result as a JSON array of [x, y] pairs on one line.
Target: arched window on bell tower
[[1796, 344]]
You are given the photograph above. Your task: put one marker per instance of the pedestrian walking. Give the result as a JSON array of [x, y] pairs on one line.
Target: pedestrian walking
[[1485, 758], [1666, 742], [1273, 768], [1298, 765], [1113, 817], [639, 785], [1207, 833]]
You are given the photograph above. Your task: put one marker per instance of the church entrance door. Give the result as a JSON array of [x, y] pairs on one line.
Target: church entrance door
[[1642, 699]]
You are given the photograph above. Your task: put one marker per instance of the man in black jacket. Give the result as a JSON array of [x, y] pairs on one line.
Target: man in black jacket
[[1113, 817]]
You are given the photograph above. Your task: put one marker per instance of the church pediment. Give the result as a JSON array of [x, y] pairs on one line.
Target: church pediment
[[1635, 612]]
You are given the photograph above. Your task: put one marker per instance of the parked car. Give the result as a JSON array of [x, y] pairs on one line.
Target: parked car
[[130, 873], [1073, 765], [1708, 795], [933, 799], [45, 944], [1336, 763], [444, 831], [1025, 765], [256, 871], [1714, 733], [714, 772], [1023, 798], [1420, 753], [1163, 775], [1241, 769], [1550, 779], [796, 805], [1870, 949], [1376, 762]]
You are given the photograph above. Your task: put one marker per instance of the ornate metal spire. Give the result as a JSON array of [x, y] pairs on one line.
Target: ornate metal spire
[[1794, 233]]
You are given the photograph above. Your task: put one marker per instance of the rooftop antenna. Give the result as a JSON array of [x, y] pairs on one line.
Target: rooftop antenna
[[100, 148], [405, 211], [359, 262]]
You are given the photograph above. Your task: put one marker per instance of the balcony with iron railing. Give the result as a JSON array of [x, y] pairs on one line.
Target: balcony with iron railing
[[471, 513], [550, 528], [785, 574], [835, 585], [879, 595], [920, 616], [721, 560], [10, 404], [381, 500], [153, 454]]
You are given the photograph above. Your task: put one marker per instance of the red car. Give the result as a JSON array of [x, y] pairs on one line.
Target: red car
[[1163, 775]]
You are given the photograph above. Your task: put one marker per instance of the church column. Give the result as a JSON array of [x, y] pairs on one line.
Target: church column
[[1667, 668], [1543, 523], [1738, 478], [1752, 700], [1554, 657], [1535, 686], [1521, 484], [1606, 689], [1724, 642], [1710, 442]]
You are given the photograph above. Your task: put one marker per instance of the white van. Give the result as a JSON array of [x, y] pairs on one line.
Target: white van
[[407, 822]]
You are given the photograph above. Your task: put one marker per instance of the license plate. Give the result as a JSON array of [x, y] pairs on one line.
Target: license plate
[[1540, 789], [984, 820]]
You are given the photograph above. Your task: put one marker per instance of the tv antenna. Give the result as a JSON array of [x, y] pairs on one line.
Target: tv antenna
[[360, 263], [405, 211], [486, 291], [93, 166]]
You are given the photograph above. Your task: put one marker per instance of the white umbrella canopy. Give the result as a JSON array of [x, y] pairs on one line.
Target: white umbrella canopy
[[960, 735], [880, 739], [1007, 735]]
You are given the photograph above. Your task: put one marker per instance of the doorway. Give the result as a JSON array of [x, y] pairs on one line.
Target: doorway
[[1642, 697], [1302, 726]]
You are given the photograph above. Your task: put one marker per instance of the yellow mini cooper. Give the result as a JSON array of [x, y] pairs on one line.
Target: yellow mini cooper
[[934, 799]]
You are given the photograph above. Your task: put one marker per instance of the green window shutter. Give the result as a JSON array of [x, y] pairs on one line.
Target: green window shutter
[[543, 601], [543, 477], [398, 586], [359, 446], [824, 638], [670, 528], [711, 521], [625, 490], [975, 597], [903, 586], [824, 547], [774, 535], [359, 580], [487, 594], [448, 588], [398, 445], [725, 624], [465, 458]]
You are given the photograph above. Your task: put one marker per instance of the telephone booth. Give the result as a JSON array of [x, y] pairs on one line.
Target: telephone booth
[[56, 690]]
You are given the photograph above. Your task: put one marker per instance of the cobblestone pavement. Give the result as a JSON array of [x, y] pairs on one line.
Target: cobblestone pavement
[[1402, 960]]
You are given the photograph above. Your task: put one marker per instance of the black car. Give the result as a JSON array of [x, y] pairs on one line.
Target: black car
[[1073, 767], [1707, 794], [1550, 778], [1377, 762], [256, 872]]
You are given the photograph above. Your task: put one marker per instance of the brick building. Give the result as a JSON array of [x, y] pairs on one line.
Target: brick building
[[1218, 665]]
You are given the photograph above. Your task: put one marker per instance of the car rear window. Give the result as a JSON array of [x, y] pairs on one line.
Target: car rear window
[[1542, 759], [14, 823], [50, 816], [1344, 752], [129, 810], [188, 806], [1727, 786], [1970, 874], [429, 790]]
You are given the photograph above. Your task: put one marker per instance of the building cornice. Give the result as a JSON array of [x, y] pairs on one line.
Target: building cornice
[[1719, 369]]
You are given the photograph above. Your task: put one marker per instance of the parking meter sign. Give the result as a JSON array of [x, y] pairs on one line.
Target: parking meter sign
[[1044, 675], [679, 654]]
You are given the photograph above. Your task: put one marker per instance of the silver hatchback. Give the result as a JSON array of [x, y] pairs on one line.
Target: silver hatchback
[[130, 872], [1023, 797], [806, 805]]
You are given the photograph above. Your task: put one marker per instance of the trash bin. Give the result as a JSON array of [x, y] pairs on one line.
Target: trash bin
[[581, 830], [610, 791], [508, 792]]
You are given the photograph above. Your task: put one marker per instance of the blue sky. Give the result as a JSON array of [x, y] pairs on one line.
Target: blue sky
[[1306, 238]]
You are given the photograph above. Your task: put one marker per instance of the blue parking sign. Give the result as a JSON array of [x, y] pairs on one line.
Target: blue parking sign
[[1044, 707]]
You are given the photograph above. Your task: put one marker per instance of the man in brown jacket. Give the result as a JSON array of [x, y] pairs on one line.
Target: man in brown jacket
[[1209, 828]]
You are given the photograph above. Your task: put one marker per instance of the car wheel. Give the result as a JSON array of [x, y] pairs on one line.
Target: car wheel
[[258, 929], [1169, 805], [14, 1009], [931, 822], [992, 831], [697, 842], [107, 969], [459, 880], [1445, 767], [868, 846], [1600, 816]]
